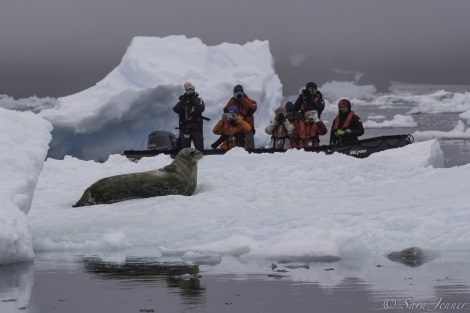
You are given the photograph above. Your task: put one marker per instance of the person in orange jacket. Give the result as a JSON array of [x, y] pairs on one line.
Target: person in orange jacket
[[246, 108], [307, 130], [233, 129]]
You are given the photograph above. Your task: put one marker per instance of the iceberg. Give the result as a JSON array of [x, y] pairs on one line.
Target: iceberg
[[137, 97]]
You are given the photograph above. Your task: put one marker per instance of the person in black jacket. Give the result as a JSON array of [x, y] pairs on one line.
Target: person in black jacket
[[189, 109], [309, 99], [347, 126]]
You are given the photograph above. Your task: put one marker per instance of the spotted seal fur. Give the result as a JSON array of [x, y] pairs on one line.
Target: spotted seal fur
[[178, 178]]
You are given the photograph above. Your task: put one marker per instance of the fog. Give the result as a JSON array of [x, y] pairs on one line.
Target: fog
[[58, 47]]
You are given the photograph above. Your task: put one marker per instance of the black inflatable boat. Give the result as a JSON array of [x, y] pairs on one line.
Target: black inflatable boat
[[164, 142]]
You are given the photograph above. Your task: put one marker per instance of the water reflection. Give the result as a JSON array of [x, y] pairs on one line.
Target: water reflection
[[91, 284], [16, 283], [141, 271], [454, 296]]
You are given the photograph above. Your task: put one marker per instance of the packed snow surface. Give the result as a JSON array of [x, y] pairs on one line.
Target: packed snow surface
[[286, 206]]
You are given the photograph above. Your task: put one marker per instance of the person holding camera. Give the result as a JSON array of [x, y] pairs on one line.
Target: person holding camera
[[347, 126], [307, 130], [289, 106], [247, 107], [310, 99], [189, 109], [280, 130], [306, 119], [232, 129]]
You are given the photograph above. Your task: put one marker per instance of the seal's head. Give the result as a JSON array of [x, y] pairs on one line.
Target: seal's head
[[190, 154]]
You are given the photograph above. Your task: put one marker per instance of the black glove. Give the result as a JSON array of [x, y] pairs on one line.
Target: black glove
[[253, 130]]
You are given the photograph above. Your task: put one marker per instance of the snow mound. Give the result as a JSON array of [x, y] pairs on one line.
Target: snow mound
[[430, 155]]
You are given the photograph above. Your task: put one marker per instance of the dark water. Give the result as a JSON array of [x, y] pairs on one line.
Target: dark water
[[79, 284], [76, 284]]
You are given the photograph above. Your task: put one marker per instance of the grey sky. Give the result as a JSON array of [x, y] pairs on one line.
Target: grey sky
[[58, 47]]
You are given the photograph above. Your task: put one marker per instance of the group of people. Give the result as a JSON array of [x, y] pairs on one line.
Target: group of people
[[295, 125]]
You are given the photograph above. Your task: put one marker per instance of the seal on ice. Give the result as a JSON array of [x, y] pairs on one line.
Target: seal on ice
[[178, 178]]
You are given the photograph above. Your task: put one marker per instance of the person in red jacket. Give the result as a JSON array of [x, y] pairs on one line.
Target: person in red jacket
[[233, 129], [347, 126], [246, 107], [307, 130]]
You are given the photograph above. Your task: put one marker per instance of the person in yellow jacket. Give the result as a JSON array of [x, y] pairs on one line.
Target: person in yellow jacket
[[246, 108], [233, 129]]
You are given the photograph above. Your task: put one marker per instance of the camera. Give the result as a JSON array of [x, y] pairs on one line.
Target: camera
[[230, 116], [281, 117], [239, 95]]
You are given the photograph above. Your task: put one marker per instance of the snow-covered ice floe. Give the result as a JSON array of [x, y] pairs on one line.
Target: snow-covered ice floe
[[24, 141]]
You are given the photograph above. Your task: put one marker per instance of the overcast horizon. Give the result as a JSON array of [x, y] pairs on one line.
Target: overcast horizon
[[56, 48]]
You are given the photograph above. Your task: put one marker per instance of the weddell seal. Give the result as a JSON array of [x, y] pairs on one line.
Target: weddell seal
[[178, 178]]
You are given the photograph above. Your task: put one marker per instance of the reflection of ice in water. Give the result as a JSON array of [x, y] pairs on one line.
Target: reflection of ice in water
[[16, 283], [376, 278]]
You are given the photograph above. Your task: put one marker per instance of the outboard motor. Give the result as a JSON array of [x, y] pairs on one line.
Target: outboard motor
[[161, 140]]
